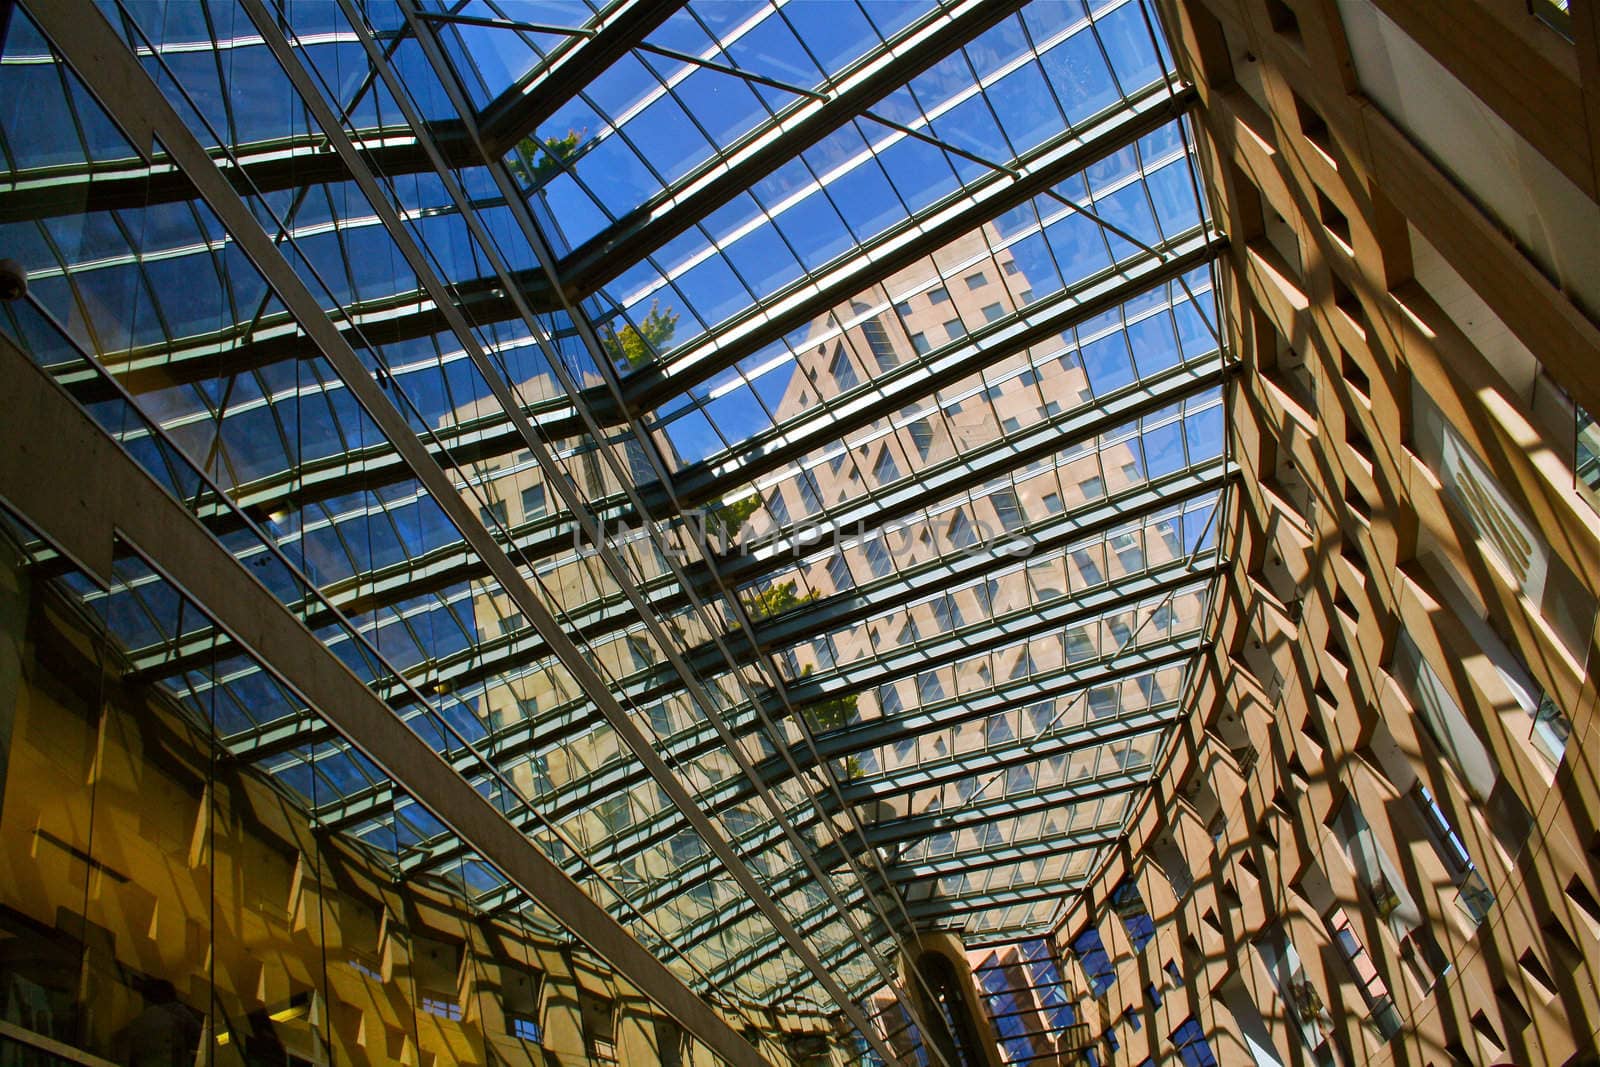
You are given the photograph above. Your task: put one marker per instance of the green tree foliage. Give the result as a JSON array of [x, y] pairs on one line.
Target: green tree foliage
[[635, 346], [535, 162], [831, 714], [775, 600], [729, 519]]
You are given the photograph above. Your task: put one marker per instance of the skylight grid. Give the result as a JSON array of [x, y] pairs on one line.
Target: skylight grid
[[808, 213], [939, 360]]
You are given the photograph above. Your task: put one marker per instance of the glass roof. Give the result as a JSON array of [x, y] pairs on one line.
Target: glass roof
[[868, 442]]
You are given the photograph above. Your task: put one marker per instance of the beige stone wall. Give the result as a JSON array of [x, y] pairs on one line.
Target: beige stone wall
[[1404, 424]]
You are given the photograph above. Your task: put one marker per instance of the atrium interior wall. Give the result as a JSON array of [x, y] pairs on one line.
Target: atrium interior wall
[[811, 532]]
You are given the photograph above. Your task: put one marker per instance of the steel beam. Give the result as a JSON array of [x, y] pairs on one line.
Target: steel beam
[[607, 254], [792, 309], [917, 381], [520, 110], [1019, 752], [456, 565], [1004, 856], [264, 166], [890, 832], [937, 908]]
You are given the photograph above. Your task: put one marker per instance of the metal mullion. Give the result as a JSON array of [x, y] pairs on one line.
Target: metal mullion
[[1108, 731], [1038, 893], [519, 109], [880, 834], [192, 359], [1066, 682], [573, 711], [915, 828], [876, 672], [164, 363], [1028, 624], [482, 662], [907, 502], [766, 148], [503, 24], [919, 236], [1044, 849], [881, 598], [807, 922], [919, 380], [535, 611], [1062, 683], [911, 501], [910, 779], [761, 838]]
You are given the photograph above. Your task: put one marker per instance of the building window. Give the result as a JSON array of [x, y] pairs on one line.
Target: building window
[[614, 813], [1473, 894], [1103, 701], [1586, 458], [878, 558], [919, 344], [938, 295], [1380, 1005], [1189, 1042], [993, 312], [443, 1007], [1503, 531], [885, 470], [946, 613], [1088, 567], [878, 341], [809, 499], [843, 371], [1555, 14], [921, 436], [1442, 718], [1024, 667], [929, 687], [960, 531], [839, 571], [1092, 488], [977, 280], [955, 330], [532, 502], [1052, 503], [1129, 551], [777, 508], [1007, 509], [493, 514], [1129, 906], [1093, 959]]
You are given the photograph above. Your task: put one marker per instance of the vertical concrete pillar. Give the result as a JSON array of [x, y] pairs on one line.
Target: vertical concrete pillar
[[13, 628]]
